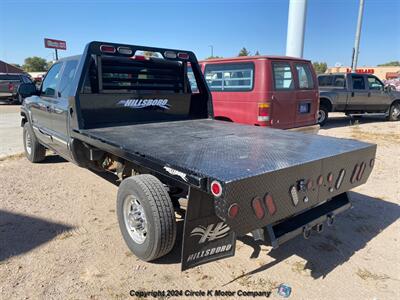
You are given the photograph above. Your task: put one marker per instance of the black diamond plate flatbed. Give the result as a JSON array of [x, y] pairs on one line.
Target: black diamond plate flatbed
[[222, 150]]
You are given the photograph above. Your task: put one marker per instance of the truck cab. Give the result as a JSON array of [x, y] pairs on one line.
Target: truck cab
[[356, 93]]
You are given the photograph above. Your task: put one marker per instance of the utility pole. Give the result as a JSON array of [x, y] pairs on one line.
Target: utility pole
[[212, 50], [358, 35], [56, 54], [296, 28]]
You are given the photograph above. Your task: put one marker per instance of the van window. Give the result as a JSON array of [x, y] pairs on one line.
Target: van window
[[305, 76], [230, 77], [283, 77]]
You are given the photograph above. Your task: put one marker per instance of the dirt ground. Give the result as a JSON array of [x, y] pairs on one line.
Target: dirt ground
[[59, 238]]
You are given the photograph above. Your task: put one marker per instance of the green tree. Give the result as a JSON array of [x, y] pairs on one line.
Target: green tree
[[35, 64], [215, 56], [244, 52], [394, 63], [257, 53], [320, 67]]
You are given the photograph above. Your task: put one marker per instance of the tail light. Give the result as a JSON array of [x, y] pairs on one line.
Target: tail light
[[263, 112], [169, 54], [140, 57], [10, 87], [294, 195], [182, 55], [107, 49], [361, 173], [355, 173], [330, 177], [125, 50], [216, 188], [269, 203], [340, 178], [257, 207], [233, 210], [320, 180]]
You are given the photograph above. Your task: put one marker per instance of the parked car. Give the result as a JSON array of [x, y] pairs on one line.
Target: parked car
[[275, 91], [9, 84], [354, 93], [137, 117]]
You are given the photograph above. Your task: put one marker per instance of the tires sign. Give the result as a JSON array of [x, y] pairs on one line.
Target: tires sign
[[55, 44]]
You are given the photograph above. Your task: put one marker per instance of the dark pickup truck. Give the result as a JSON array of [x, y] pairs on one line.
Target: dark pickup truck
[[113, 109], [354, 93]]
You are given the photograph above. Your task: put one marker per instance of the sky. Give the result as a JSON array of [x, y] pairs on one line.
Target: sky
[[195, 25]]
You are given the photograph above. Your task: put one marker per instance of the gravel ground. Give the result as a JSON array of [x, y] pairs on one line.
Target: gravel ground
[[59, 238]]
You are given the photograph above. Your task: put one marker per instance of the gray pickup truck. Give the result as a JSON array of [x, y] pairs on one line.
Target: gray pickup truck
[[9, 84], [354, 93]]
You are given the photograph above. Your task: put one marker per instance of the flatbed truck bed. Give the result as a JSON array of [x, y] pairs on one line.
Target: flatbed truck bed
[[136, 116]]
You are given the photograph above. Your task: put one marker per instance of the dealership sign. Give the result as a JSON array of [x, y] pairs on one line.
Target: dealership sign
[[362, 71], [55, 44]]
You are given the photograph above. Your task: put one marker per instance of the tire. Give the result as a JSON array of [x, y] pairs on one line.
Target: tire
[[34, 151], [394, 112], [154, 235], [322, 115]]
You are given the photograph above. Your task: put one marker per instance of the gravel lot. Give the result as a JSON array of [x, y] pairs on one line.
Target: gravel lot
[[59, 236]]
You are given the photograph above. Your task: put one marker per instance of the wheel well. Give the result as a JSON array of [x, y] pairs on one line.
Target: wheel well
[[220, 118], [395, 101], [326, 102]]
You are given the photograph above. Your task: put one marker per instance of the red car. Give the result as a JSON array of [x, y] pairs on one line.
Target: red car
[[276, 91]]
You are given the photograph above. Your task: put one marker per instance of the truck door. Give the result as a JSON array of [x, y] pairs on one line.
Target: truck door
[[61, 106], [379, 100], [41, 109], [306, 105], [358, 100], [283, 98]]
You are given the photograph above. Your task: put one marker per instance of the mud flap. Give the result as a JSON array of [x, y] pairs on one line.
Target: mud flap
[[206, 237]]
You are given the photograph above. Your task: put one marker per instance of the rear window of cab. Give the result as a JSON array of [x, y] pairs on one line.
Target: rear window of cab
[[232, 77]]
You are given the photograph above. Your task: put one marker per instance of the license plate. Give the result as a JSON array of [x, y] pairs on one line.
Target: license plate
[[304, 108]]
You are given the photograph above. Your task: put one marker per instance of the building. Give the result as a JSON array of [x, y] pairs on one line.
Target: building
[[7, 68], [382, 73]]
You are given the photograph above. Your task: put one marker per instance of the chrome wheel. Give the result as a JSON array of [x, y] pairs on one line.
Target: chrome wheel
[[28, 142], [135, 219], [396, 112], [321, 116]]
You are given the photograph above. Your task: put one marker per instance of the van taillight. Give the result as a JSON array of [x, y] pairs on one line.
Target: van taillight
[[263, 112]]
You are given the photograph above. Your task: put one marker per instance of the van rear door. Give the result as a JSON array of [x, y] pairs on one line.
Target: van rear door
[[283, 96], [306, 95]]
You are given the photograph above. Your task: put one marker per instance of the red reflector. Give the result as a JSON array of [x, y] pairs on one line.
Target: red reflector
[[309, 184], [269, 203], [320, 180], [355, 173], [107, 49], [258, 208], [330, 177], [182, 55], [233, 210], [361, 173], [216, 188], [140, 57]]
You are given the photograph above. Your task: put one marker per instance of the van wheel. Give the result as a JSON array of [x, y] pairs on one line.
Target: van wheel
[[146, 217], [34, 151], [322, 115], [394, 112]]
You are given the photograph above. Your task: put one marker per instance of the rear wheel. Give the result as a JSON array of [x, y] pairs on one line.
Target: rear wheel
[[34, 151], [394, 112], [146, 217], [322, 115]]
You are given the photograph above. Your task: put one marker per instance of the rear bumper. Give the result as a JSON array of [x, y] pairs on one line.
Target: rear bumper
[[313, 129]]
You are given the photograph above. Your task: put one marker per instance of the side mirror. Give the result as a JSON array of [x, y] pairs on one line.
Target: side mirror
[[27, 89]]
